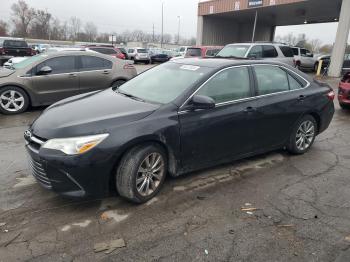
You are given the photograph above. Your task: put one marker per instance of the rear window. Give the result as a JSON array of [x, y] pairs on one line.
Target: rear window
[[287, 51], [142, 51], [194, 52], [15, 43], [106, 51]]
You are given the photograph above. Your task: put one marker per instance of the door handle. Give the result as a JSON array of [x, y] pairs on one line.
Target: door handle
[[106, 72], [250, 109], [301, 98], [72, 75]]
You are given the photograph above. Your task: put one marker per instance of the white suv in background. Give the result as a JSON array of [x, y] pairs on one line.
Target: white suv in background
[[304, 59], [272, 51], [139, 54]]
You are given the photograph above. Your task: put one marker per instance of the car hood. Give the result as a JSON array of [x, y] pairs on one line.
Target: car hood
[[5, 72], [90, 113]]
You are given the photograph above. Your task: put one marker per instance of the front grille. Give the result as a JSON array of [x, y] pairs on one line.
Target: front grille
[[39, 173]]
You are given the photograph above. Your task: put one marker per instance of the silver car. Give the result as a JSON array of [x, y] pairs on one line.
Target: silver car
[[47, 78], [139, 54], [271, 51]]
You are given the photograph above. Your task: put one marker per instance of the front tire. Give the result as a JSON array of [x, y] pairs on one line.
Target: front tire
[[141, 173], [13, 100], [303, 135]]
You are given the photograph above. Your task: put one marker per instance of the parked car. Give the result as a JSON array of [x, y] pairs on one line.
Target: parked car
[[158, 56], [14, 60], [182, 50], [123, 51], [175, 118], [272, 51], [14, 47], [139, 55], [344, 92], [304, 59], [327, 59], [46, 78], [107, 51]]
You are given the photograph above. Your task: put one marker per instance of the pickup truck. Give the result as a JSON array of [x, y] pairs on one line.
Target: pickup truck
[[12, 48]]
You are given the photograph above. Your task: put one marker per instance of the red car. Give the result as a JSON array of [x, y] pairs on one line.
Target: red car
[[344, 91], [107, 50]]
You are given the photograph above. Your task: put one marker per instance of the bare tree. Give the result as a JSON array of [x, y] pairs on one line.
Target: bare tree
[[40, 27], [22, 16], [3, 28], [91, 31], [74, 27], [315, 45]]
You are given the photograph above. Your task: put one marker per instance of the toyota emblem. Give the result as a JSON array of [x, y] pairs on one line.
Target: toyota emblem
[[27, 134]]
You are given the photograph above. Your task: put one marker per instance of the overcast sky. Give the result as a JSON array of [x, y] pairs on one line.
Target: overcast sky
[[120, 15]]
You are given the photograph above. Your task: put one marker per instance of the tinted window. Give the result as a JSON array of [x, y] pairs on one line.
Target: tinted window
[[293, 83], [231, 84], [295, 51], [194, 52], [59, 65], [269, 51], [89, 63], [287, 51], [234, 50], [271, 79], [15, 43], [256, 52]]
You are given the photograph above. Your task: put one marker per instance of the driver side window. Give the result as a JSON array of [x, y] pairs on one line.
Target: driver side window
[[59, 65], [230, 84]]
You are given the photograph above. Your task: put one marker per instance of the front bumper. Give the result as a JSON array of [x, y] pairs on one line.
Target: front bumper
[[71, 176]]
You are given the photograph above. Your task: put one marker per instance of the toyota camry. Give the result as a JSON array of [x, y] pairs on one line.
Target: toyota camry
[[178, 117]]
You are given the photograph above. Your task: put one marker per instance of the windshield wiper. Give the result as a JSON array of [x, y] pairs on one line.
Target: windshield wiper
[[129, 95]]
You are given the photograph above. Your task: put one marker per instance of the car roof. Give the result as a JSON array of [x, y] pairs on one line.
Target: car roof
[[222, 62], [259, 43]]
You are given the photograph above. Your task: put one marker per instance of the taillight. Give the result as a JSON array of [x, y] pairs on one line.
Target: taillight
[[331, 95], [129, 66], [2, 51]]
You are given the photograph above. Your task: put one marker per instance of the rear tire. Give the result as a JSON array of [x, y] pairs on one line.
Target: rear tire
[[141, 173], [13, 100], [303, 135]]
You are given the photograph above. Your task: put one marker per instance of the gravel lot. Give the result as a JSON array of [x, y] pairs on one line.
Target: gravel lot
[[296, 209]]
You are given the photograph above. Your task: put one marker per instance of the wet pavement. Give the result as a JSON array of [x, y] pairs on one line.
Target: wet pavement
[[273, 207]]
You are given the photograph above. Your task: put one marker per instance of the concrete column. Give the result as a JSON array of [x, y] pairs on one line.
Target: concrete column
[[340, 41], [199, 41]]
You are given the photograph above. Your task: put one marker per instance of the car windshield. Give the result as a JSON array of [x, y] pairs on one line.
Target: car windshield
[[142, 51], [28, 61], [162, 84], [234, 51]]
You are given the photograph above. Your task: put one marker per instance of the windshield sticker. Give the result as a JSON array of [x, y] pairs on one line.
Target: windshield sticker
[[190, 67]]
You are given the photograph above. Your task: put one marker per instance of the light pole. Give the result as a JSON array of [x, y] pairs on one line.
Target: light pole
[[161, 41], [178, 32]]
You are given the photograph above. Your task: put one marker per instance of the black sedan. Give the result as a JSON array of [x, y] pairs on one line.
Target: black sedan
[[175, 118], [159, 57]]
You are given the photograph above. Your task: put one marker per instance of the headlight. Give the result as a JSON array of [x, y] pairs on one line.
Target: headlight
[[75, 145]]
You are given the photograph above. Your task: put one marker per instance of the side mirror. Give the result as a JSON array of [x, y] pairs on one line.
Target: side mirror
[[45, 70], [202, 102]]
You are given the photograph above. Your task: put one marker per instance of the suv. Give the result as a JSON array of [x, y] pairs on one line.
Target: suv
[[272, 51], [139, 55], [14, 47], [304, 59]]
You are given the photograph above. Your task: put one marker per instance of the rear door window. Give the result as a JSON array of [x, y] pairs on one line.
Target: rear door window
[[89, 63], [269, 51], [295, 51], [270, 79], [59, 65], [287, 51], [228, 85]]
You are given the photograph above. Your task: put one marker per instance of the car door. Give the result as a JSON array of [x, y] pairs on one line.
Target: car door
[[306, 60], [213, 135], [58, 84], [280, 102], [95, 73]]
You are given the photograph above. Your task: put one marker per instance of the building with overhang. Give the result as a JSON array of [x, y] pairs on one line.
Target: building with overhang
[[221, 22]]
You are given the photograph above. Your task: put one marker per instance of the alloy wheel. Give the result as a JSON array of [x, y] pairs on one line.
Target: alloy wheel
[[150, 174], [11, 100], [305, 135]]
